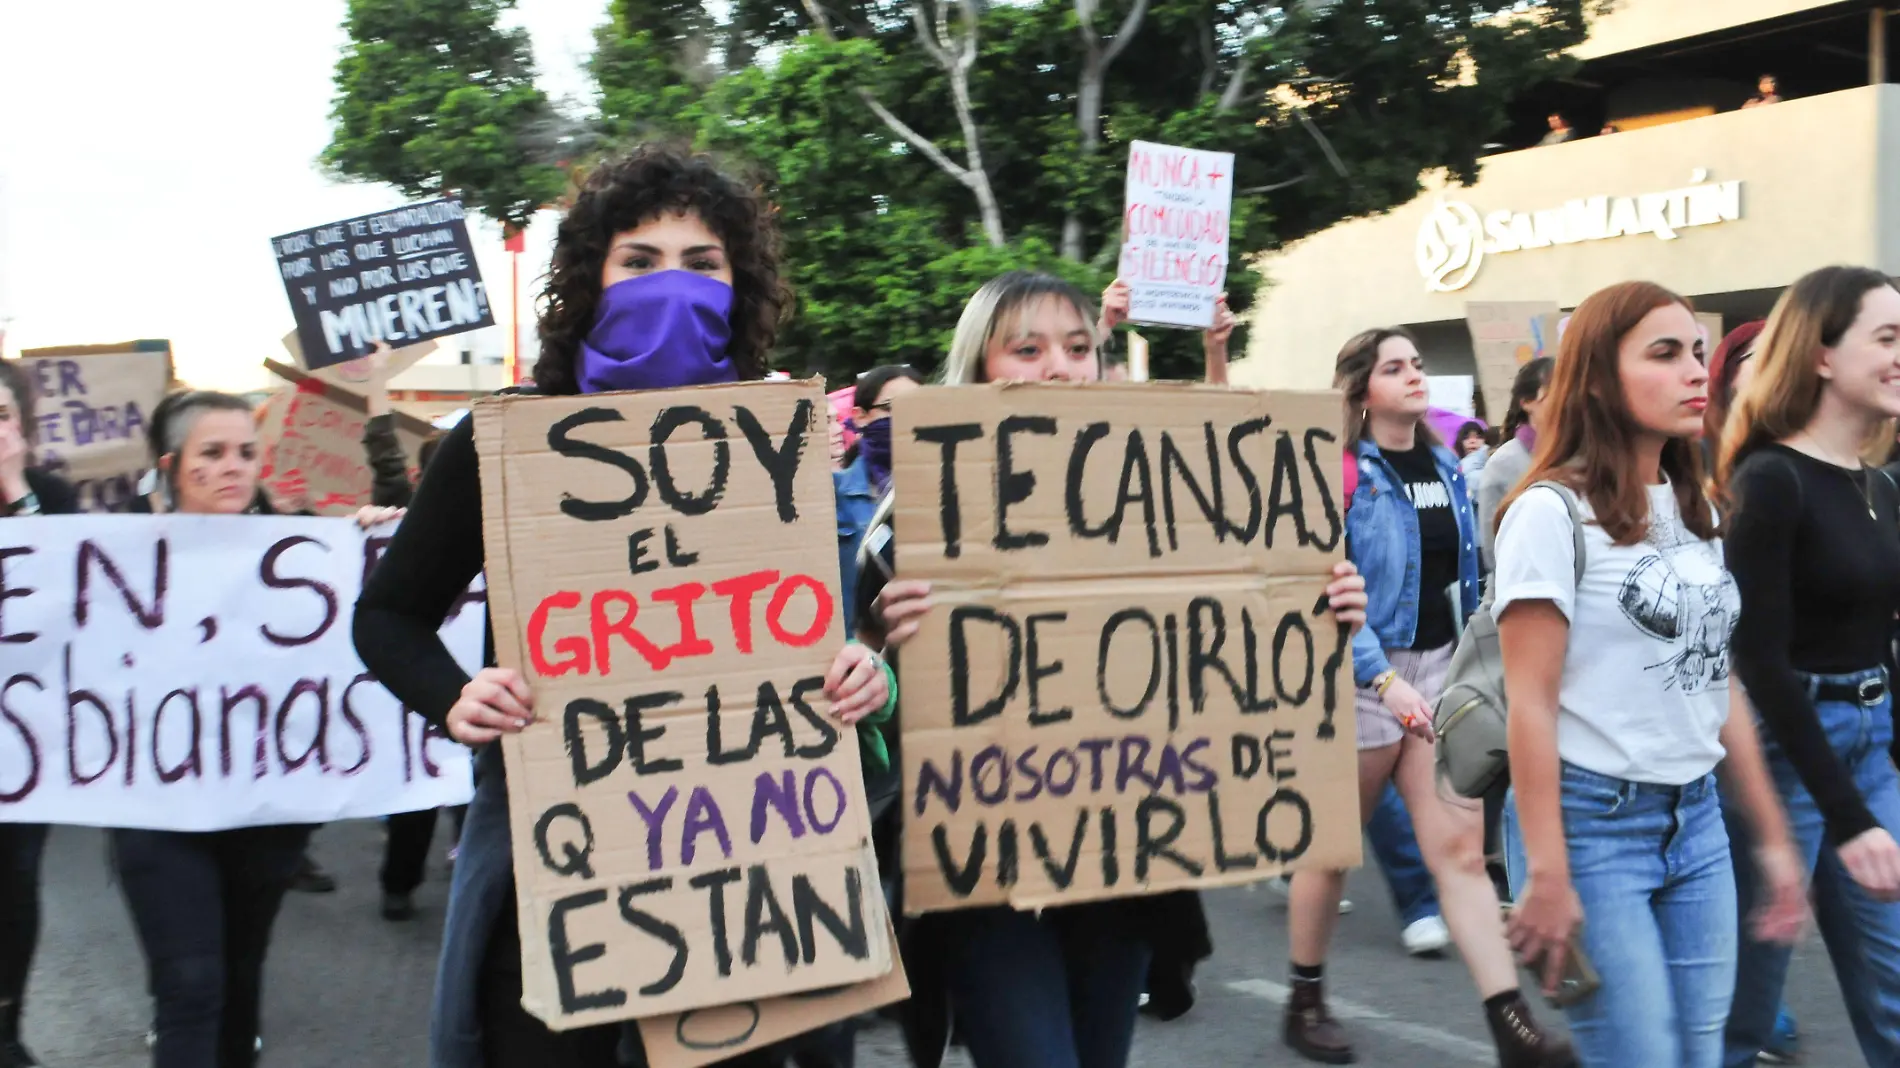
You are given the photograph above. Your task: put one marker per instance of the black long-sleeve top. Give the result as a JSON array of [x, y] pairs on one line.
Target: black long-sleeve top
[[1820, 584], [435, 554]]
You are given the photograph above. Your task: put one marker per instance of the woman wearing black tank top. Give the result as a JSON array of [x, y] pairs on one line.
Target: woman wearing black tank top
[[1814, 544]]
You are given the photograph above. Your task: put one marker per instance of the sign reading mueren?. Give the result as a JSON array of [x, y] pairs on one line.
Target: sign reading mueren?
[[1454, 239], [402, 276]]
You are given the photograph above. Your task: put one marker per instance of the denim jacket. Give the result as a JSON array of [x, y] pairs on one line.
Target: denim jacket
[[857, 503], [1382, 540]]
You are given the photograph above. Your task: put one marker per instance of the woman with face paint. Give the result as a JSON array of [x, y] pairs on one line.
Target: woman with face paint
[[203, 903], [865, 481], [1814, 544], [24, 491], [665, 273], [1058, 988]]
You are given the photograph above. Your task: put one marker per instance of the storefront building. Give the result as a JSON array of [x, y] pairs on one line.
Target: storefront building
[[1683, 186]]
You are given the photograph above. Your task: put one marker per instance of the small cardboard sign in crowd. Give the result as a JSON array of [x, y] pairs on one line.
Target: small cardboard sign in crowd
[[1130, 681], [690, 824], [1175, 220], [196, 673], [94, 408]]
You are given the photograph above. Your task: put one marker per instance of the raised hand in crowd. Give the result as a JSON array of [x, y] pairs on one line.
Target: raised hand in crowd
[[370, 515], [855, 683], [1214, 341], [1115, 301]]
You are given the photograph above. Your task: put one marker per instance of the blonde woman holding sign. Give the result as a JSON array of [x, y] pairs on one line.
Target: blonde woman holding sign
[[665, 274], [1057, 988]]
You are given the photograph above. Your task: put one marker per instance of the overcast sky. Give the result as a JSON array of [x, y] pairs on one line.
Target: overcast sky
[[146, 159]]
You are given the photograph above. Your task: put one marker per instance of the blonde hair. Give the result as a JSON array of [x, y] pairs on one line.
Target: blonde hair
[[998, 310], [1780, 401]]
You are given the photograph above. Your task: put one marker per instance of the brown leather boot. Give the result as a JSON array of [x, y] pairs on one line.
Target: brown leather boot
[[1522, 1043], [1311, 1031]]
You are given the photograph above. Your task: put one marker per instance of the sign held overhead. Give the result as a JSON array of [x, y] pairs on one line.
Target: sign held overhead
[[402, 276], [1175, 219]]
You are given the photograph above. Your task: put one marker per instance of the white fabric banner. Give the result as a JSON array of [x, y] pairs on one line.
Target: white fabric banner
[[196, 673]]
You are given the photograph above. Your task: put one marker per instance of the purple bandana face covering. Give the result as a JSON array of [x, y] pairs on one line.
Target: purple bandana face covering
[[659, 331]]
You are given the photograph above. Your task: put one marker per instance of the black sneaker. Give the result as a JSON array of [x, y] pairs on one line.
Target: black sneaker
[[311, 879], [398, 907]]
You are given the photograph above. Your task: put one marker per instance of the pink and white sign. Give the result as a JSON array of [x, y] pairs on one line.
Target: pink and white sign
[[1175, 220]]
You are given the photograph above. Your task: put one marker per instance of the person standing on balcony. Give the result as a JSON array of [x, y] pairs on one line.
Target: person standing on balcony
[[1767, 91], [1560, 131]]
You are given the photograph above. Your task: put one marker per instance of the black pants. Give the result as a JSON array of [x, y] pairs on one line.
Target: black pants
[[21, 847], [203, 905], [406, 850]]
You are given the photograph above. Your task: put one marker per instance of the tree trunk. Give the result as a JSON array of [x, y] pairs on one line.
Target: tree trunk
[[1088, 98]]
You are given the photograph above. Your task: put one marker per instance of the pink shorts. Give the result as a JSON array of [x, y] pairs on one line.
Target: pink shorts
[[1424, 670]]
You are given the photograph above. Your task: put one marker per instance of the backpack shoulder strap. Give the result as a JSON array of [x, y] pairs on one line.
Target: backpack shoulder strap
[[1576, 520]]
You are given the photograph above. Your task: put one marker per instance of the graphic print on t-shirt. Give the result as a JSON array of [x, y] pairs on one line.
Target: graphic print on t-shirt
[[1432, 494], [1696, 617]]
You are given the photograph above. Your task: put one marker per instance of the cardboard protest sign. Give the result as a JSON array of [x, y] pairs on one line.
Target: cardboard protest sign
[[402, 276], [1506, 335], [94, 405], [706, 1036], [689, 822], [354, 377], [1130, 681], [196, 673], [1174, 233], [314, 458]]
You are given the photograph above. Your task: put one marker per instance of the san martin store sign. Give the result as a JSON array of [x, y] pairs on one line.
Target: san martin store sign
[[1454, 239]]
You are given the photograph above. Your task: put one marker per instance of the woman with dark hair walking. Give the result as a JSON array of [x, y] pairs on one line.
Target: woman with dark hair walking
[[1512, 458], [24, 491], [1814, 543], [665, 274]]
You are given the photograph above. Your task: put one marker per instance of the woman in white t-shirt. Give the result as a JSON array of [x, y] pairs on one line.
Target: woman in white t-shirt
[[1620, 701]]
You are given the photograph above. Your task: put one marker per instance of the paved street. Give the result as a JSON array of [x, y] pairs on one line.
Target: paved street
[[347, 988]]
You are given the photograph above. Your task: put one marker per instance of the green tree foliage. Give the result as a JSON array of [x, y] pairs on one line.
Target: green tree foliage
[[851, 112], [434, 97]]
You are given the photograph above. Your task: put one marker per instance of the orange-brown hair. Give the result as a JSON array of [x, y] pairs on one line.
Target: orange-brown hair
[[1589, 444]]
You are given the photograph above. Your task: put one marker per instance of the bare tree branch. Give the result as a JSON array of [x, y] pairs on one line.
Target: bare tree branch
[[1210, 58], [1275, 187], [916, 140], [1088, 98], [1236, 85], [1325, 146], [1125, 34]]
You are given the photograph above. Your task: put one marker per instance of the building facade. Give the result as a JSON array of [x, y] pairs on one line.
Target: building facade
[[1664, 175]]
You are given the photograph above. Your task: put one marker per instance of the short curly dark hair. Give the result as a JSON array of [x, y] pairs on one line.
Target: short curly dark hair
[[619, 195]]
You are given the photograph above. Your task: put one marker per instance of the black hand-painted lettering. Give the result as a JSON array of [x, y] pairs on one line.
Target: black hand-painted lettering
[[1236, 435], [637, 562], [562, 441], [780, 461], [676, 556], [950, 506], [1287, 498], [715, 883], [1150, 846], [961, 712], [664, 424], [1135, 469], [1061, 875], [1102, 660], [1329, 675], [587, 768], [658, 929], [1278, 757], [566, 958], [715, 754], [1036, 671], [8, 593], [1322, 484], [1013, 486], [1246, 756], [149, 615], [1111, 863], [853, 936], [1205, 640], [31, 744], [1223, 862], [1291, 623], [1008, 865], [1085, 440], [74, 698], [574, 859], [769, 720], [1212, 506], [801, 703], [267, 573], [638, 734], [961, 879], [764, 916], [1262, 838], [1171, 631]]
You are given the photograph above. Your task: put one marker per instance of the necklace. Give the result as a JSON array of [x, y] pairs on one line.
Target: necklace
[[1856, 473]]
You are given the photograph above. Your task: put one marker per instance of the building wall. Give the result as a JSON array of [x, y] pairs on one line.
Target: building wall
[[1811, 195], [1633, 24]]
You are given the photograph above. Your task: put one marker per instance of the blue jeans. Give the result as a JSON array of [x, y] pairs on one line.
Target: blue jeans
[[1390, 833], [1862, 935], [1651, 866], [1059, 990]]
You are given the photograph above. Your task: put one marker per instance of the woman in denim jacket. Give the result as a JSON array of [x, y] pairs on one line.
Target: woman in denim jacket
[[1411, 531]]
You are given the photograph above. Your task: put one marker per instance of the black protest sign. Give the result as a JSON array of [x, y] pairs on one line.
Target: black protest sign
[[1129, 681], [402, 276], [690, 828]]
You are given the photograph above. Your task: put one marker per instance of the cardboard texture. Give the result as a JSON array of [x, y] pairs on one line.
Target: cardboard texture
[[689, 822], [706, 1036], [313, 452], [1175, 212], [1506, 335], [1129, 682], [353, 376], [1710, 324], [94, 406]]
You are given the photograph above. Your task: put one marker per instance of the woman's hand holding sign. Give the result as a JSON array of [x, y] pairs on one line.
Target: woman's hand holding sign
[[855, 684], [495, 702]]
